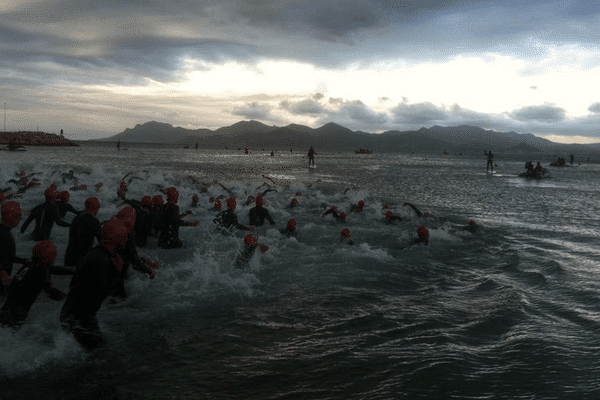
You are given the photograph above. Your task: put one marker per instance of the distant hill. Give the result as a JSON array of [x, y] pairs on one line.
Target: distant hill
[[331, 136]]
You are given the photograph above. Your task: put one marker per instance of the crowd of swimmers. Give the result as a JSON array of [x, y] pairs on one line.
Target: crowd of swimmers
[[103, 252]]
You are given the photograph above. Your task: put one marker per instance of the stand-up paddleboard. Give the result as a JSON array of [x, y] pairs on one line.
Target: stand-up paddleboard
[[312, 166]]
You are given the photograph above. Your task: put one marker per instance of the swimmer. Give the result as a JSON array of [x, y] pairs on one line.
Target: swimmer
[[340, 217], [294, 203], [250, 245], [29, 281], [217, 205], [84, 228], [45, 215], [357, 207], [170, 221], [417, 211], [94, 279], [390, 218], [157, 204], [228, 220], [143, 220], [195, 200], [471, 227], [129, 252], [258, 214], [63, 205], [346, 236], [290, 229], [11, 216], [422, 236]]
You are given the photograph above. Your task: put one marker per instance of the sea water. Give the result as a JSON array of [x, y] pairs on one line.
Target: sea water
[[508, 312]]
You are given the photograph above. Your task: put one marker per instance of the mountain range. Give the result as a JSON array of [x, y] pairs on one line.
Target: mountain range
[[252, 134]]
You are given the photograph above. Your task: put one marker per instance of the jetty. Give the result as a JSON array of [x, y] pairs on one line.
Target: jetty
[[24, 138]]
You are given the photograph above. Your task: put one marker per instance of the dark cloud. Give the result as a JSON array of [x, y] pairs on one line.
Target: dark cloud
[[357, 111], [256, 111], [318, 96], [594, 108], [546, 113], [303, 107], [419, 113]]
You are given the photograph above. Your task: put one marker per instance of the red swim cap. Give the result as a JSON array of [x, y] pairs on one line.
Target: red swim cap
[[423, 232], [250, 199], [44, 252], [147, 202], [172, 194], [218, 204], [472, 222], [195, 198], [127, 215], [389, 214], [251, 240], [291, 226], [121, 193], [50, 193], [259, 201], [64, 196], [123, 185], [114, 233], [298, 194], [92, 205], [361, 204], [343, 215], [231, 204], [295, 202], [346, 233], [158, 200], [11, 212]]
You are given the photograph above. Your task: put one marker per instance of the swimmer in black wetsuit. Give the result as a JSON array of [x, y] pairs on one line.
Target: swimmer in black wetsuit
[[346, 236], [290, 229], [11, 216], [143, 219], [294, 203], [228, 220], [258, 214], [45, 215], [357, 207], [195, 200], [390, 218], [84, 228], [95, 278], [157, 204], [417, 211], [340, 217], [471, 227], [129, 252], [250, 245], [170, 221], [29, 281], [63, 205], [422, 236]]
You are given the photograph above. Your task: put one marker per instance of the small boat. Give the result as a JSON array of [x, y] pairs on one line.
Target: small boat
[[363, 151], [535, 174], [12, 146]]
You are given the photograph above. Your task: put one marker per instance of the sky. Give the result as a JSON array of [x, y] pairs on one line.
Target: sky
[[95, 68]]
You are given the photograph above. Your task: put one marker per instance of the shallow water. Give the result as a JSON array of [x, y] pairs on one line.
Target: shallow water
[[510, 312]]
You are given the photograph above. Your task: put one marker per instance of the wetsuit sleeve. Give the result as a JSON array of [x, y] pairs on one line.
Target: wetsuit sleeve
[[59, 221], [268, 216], [72, 209], [32, 216], [419, 213]]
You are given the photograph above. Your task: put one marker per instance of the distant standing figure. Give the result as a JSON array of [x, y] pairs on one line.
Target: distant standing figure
[[311, 156], [490, 161], [572, 158]]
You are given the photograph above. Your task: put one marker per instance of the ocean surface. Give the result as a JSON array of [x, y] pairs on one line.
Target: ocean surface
[[511, 311]]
